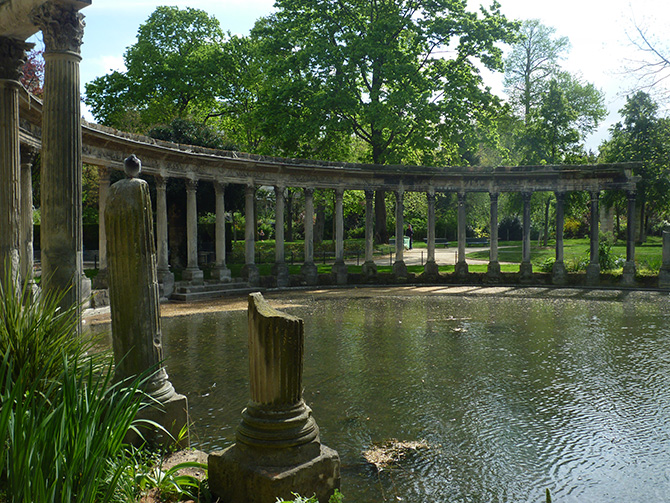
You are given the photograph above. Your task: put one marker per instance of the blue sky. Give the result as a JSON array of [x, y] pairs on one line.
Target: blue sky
[[599, 32]]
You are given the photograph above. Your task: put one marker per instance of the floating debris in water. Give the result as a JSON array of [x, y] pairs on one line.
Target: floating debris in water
[[392, 451]]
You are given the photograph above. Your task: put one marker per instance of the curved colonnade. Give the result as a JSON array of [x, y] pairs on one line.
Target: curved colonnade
[[106, 148]]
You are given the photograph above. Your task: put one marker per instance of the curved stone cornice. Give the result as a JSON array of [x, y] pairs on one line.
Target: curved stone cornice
[[62, 27]]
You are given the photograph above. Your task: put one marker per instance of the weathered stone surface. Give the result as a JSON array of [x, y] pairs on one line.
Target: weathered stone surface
[[278, 449], [134, 300]]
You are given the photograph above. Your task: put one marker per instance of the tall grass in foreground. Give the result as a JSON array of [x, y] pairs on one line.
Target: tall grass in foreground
[[62, 418]]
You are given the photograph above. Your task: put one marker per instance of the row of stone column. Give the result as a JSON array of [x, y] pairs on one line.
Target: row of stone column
[[62, 28], [194, 274]]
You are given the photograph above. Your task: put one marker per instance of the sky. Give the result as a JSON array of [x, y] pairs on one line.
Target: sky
[[600, 34]]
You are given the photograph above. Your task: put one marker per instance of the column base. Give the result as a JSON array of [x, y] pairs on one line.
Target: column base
[[339, 270], [280, 270], [221, 273], [431, 269], [400, 269], [493, 272], [664, 277], [165, 283], [629, 272], [100, 281], [193, 275], [526, 272], [311, 273], [369, 269], [461, 269], [593, 274], [559, 276], [250, 274], [235, 475]]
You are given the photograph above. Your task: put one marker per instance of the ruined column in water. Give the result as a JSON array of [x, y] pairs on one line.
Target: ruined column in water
[[278, 449], [133, 295]]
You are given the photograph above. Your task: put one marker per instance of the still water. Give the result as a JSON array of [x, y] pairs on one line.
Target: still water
[[512, 394]]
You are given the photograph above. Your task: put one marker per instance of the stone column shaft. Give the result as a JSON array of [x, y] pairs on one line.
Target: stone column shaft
[[461, 267], [27, 216], [103, 191], [12, 56], [493, 268], [309, 226], [558, 269], [279, 225], [399, 225], [61, 171], [369, 225], [250, 271], [630, 231], [339, 225], [430, 196], [526, 268], [220, 271], [162, 224], [595, 219], [192, 223]]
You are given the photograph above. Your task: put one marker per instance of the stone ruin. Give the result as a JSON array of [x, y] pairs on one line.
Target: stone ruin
[[134, 303], [278, 449]]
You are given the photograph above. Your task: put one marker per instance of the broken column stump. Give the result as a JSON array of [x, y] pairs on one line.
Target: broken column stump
[[134, 303], [278, 450]]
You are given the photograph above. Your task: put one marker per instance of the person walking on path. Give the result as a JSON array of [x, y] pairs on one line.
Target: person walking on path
[[410, 235]]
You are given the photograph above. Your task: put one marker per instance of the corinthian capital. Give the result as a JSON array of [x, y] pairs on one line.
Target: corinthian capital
[[12, 57], [62, 27]]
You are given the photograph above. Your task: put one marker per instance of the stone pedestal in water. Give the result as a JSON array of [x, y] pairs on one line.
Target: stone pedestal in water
[[134, 302], [278, 450]]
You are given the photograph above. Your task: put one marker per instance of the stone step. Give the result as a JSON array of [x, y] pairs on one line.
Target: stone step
[[208, 286]]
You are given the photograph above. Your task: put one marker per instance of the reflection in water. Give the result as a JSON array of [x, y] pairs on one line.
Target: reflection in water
[[512, 395]]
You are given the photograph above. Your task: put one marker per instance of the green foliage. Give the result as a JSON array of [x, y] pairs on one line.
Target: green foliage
[[189, 132], [607, 259], [175, 69]]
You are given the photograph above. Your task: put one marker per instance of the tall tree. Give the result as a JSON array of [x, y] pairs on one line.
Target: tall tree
[[642, 136], [176, 69], [652, 66], [532, 64], [401, 75]]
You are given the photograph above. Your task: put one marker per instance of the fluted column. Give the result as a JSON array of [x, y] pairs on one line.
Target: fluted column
[[61, 171], [526, 268], [593, 269], [431, 267], [12, 56], [339, 267], [249, 271], [493, 270], [220, 271], [280, 267], [399, 267], [192, 272], [461, 264], [103, 191], [558, 271], [629, 269], [309, 269], [369, 267], [27, 262], [165, 277]]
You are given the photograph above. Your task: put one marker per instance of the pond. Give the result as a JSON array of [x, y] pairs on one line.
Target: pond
[[508, 393]]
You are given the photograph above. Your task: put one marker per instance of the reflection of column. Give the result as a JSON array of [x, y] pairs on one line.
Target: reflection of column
[[192, 273], [309, 269], [461, 264], [593, 269], [339, 267], [399, 267], [526, 268], [558, 271], [103, 190], [249, 271], [369, 267], [220, 271], [431, 268], [12, 56], [280, 267], [61, 180], [629, 269], [493, 269]]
